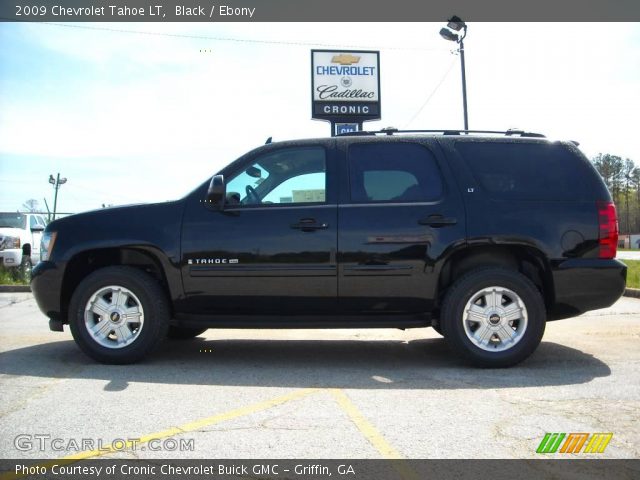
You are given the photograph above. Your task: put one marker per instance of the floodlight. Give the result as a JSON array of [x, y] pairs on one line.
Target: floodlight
[[449, 35], [456, 23]]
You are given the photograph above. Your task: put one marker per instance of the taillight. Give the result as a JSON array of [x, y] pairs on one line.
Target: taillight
[[608, 233]]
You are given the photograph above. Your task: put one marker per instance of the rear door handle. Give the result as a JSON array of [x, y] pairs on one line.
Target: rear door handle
[[309, 225], [437, 221]]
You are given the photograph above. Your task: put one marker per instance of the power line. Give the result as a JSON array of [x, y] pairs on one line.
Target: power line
[[432, 93], [232, 39]]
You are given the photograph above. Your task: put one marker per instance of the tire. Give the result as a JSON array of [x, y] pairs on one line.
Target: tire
[[184, 333], [493, 317], [134, 306]]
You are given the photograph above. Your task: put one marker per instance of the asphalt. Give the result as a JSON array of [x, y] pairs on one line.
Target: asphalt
[[316, 393]]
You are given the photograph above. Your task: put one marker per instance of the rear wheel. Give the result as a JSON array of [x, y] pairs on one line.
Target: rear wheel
[[184, 333], [118, 315], [493, 317]]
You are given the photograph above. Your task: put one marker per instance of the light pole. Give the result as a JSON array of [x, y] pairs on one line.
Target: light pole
[[56, 182], [455, 24]]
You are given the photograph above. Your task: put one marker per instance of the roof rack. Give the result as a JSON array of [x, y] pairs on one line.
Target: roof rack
[[392, 131]]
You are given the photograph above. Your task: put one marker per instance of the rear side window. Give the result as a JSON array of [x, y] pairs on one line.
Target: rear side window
[[393, 172], [528, 171]]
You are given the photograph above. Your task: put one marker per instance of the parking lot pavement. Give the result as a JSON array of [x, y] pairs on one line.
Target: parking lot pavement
[[316, 394]]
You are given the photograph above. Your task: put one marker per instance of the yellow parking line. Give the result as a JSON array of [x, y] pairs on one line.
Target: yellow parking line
[[198, 424], [370, 432], [373, 436], [170, 432]]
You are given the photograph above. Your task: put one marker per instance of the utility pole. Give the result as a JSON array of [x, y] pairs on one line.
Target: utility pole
[[464, 82], [456, 24], [56, 182], [48, 211]]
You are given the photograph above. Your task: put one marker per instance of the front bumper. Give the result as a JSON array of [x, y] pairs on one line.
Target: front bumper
[[46, 286], [11, 258], [581, 285]]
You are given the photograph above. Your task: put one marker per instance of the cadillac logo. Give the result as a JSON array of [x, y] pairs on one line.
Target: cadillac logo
[[346, 82]]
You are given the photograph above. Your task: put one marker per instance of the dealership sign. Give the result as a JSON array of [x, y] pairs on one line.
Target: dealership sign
[[345, 85]]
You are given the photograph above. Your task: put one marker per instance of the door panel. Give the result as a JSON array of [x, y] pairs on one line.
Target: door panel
[[254, 261], [400, 218], [273, 248]]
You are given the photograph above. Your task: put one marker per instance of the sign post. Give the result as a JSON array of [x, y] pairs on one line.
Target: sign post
[[345, 88], [340, 128]]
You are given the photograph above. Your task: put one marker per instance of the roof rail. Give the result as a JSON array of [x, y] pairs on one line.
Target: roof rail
[[392, 131]]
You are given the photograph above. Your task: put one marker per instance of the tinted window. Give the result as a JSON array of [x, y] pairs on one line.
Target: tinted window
[[292, 175], [393, 172], [528, 171]]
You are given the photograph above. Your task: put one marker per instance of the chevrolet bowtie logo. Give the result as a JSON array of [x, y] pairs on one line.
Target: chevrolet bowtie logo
[[345, 59]]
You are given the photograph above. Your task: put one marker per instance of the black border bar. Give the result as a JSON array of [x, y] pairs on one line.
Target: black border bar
[[321, 469], [322, 11]]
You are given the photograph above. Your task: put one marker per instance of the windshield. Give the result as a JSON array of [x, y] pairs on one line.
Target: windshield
[[13, 220]]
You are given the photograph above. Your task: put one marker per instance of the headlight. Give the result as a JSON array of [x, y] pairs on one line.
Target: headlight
[[10, 242], [46, 245]]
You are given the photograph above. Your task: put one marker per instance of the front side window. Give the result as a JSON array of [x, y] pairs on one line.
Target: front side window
[[393, 172], [292, 175]]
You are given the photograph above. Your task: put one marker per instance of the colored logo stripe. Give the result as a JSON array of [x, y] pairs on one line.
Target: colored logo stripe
[[574, 442], [598, 443], [550, 443]]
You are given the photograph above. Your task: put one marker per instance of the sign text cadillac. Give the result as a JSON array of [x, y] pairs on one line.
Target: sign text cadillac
[[345, 85]]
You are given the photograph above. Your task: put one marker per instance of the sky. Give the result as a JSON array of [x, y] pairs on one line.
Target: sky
[[145, 112]]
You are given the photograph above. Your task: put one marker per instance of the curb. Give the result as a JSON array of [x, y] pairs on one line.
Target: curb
[[14, 288], [632, 292]]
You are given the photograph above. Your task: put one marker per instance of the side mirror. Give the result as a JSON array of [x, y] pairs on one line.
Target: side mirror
[[216, 193], [37, 228]]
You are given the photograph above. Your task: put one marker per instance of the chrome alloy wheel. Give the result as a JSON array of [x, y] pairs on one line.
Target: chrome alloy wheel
[[114, 317], [495, 319]]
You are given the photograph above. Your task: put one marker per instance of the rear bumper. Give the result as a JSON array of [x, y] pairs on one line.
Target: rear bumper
[[46, 284], [581, 285]]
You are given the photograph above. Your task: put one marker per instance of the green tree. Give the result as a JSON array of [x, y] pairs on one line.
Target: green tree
[[622, 178]]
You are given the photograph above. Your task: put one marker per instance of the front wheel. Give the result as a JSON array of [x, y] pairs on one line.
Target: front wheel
[[118, 315], [493, 317]]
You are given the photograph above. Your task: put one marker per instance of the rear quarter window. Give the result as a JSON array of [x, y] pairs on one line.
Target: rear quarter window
[[528, 171]]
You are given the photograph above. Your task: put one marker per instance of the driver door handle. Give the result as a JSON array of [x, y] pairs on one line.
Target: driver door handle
[[309, 225]]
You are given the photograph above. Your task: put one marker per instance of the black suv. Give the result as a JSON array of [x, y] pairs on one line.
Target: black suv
[[484, 236]]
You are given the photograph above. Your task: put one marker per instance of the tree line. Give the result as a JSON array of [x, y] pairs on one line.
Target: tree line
[[623, 181]]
